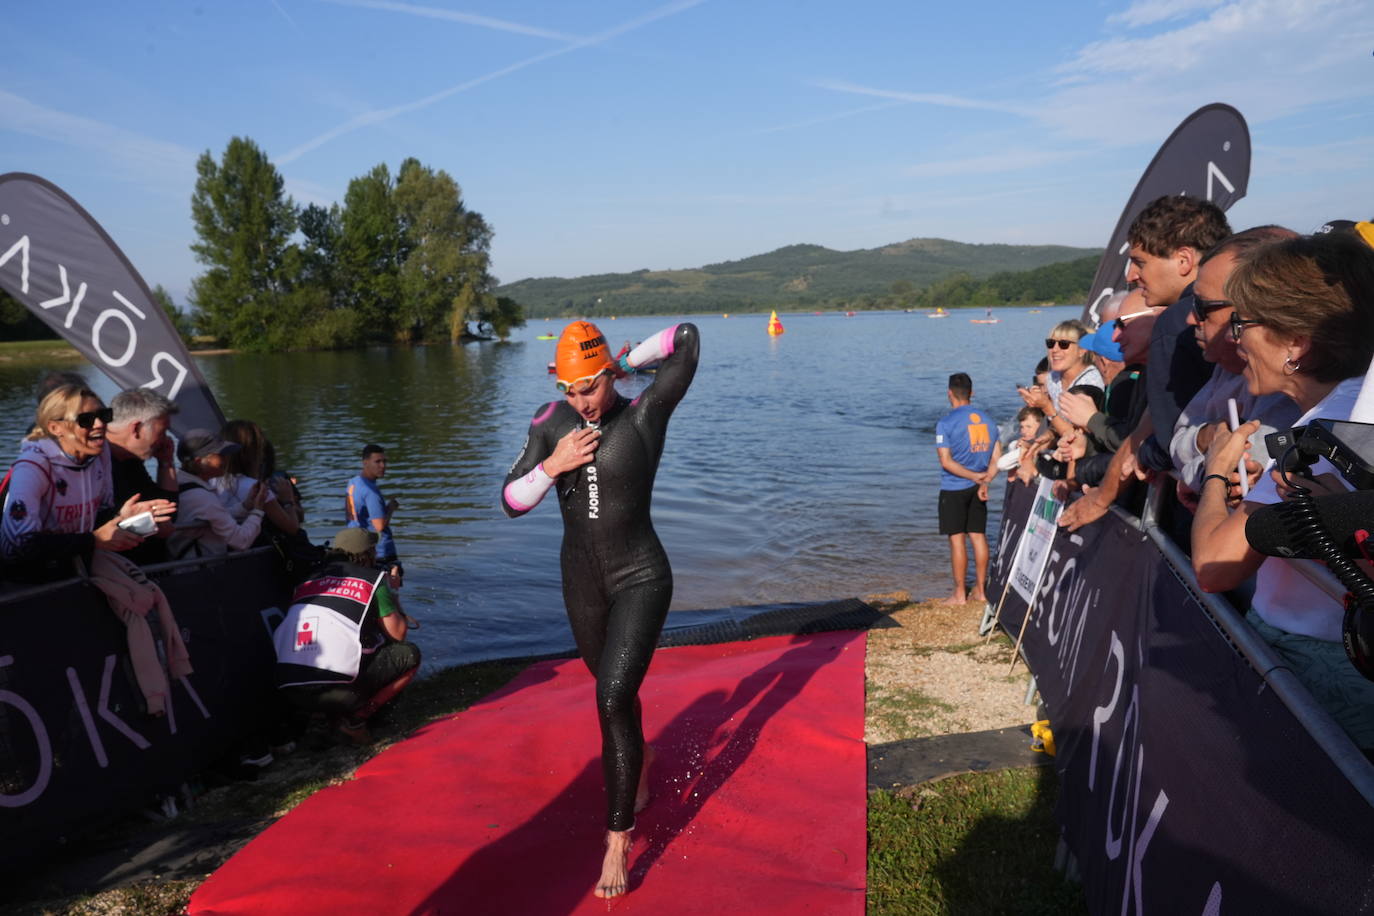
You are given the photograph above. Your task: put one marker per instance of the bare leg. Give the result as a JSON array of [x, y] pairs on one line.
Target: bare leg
[[980, 564], [615, 870], [958, 561], [642, 796]]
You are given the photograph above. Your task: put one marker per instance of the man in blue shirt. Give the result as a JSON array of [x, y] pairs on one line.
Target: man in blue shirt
[[967, 444], [365, 507]]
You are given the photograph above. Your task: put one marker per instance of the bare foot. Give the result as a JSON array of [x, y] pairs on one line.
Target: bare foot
[[978, 596], [956, 598], [615, 872], [642, 796]]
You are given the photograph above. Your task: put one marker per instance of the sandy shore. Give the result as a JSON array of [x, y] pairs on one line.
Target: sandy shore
[[930, 673]]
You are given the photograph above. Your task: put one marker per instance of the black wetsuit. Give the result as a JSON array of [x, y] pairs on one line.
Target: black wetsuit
[[617, 583]]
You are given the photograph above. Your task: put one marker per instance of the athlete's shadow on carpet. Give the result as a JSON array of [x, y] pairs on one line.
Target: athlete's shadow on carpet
[[698, 751]]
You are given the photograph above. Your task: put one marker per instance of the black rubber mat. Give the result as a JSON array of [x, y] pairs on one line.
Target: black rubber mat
[[918, 760], [778, 620]]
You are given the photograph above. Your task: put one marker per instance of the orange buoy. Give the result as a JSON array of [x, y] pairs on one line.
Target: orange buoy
[[774, 325]]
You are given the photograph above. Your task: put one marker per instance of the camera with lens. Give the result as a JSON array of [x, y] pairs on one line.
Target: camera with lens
[[1349, 446], [1333, 529]]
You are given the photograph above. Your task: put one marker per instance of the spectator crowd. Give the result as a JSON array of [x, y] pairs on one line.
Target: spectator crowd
[[79, 500], [1222, 338]]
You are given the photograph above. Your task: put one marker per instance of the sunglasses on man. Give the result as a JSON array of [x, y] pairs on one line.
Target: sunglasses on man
[[1204, 307], [86, 419], [1120, 323]]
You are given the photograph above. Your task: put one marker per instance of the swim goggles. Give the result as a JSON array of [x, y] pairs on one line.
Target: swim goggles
[[581, 385]]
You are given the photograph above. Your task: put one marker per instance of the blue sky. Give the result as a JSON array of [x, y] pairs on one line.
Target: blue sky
[[625, 134]]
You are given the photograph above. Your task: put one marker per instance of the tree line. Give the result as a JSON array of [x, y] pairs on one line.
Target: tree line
[[403, 260], [642, 294]]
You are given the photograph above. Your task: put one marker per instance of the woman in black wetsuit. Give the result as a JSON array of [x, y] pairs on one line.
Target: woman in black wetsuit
[[601, 452]]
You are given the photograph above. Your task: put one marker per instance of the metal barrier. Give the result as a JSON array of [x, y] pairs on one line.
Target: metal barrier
[[1329, 736], [1194, 767]]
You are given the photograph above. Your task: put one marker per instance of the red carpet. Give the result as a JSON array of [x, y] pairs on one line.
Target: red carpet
[[759, 800]]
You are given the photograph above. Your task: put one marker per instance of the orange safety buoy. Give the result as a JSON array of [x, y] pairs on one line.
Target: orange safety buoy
[[774, 325]]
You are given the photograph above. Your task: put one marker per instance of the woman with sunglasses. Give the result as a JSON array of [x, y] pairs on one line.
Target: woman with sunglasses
[[1304, 325], [600, 452], [59, 502], [1070, 367]]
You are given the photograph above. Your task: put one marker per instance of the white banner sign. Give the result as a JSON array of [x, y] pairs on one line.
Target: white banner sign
[[1033, 551]]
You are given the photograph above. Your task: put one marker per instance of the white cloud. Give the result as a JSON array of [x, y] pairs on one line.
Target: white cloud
[[1268, 58], [1148, 12], [378, 116], [167, 163]]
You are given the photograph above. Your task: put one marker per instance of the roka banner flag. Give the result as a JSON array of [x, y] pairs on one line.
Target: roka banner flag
[[58, 262], [1207, 156]]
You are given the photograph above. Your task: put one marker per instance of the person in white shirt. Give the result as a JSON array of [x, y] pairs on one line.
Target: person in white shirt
[[1304, 325]]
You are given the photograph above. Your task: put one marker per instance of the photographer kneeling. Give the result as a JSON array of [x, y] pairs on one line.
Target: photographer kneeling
[[1304, 324], [341, 649]]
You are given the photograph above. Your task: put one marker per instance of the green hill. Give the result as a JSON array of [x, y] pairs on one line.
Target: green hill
[[902, 275]]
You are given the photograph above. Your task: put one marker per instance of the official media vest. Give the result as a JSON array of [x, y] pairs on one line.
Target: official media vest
[[320, 641]]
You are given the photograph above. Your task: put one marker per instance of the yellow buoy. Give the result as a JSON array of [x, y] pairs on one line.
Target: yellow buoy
[[774, 325]]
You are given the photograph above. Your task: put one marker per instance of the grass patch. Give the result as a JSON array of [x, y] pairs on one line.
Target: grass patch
[[980, 843], [23, 352], [902, 709]]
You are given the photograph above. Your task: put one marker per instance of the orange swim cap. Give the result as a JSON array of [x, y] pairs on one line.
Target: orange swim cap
[[582, 352]]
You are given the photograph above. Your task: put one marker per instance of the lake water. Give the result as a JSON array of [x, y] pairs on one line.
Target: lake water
[[798, 468]]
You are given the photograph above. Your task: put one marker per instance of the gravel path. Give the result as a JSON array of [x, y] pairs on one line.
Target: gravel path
[[930, 673]]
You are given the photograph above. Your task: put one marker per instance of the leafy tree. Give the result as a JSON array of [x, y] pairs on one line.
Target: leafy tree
[[501, 316], [185, 325], [323, 232], [446, 253], [370, 250], [245, 223]]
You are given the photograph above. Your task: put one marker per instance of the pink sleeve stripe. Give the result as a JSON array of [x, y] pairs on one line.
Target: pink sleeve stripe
[[544, 414], [665, 340], [512, 501], [524, 493]]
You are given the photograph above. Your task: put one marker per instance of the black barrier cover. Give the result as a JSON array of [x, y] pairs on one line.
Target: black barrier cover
[[75, 744], [1186, 786], [58, 262]]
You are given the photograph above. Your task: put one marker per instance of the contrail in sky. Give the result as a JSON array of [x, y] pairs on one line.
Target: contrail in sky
[[925, 98], [487, 22], [381, 115]]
